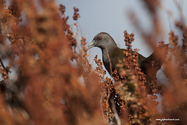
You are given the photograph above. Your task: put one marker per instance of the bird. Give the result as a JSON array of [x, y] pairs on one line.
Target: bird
[[111, 54]]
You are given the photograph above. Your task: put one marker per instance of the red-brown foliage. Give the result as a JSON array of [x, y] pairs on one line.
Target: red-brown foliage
[[51, 91]]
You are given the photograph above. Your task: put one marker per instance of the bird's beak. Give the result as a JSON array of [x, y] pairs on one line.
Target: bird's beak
[[90, 45]]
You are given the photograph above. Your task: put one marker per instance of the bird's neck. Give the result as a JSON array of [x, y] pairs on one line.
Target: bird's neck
[[108, 56], [105, 55], [108, 52]]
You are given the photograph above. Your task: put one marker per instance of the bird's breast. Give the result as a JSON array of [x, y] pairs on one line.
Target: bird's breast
[[107, 61]]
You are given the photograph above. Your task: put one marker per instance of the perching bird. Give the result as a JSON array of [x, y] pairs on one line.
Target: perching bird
[[109, 50], [111, 55]]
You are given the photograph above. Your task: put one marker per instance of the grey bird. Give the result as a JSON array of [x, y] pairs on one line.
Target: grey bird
[[111, 54], [110, 51]]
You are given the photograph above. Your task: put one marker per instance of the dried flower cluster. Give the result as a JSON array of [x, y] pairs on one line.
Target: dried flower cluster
[[76, 15]]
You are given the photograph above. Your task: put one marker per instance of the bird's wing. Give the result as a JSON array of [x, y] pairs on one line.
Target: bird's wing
[[115, 55], [153, 63], [140, 59]]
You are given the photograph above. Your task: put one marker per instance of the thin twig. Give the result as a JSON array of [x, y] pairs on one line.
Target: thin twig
[[115, 112], [111, 75], [109, 61], [102, 107], [180, 11]]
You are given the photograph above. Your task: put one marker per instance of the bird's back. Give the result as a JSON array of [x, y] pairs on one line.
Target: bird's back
[[111, 58], [114, 56]]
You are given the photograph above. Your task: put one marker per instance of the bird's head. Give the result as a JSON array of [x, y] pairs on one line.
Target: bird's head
[[103, 41]]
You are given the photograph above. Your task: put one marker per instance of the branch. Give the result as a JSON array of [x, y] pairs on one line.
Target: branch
[[115, 112]]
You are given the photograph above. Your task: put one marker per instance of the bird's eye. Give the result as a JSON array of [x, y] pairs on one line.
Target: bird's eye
[[99, 38]]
